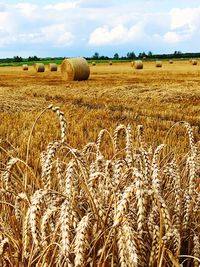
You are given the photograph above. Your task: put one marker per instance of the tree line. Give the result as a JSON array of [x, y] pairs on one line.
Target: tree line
[[149, 55], [129, 56]]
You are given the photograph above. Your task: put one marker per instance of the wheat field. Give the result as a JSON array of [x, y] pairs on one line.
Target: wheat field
[[108, 178]]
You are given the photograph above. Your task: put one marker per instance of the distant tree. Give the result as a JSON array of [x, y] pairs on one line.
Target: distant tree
[[17, 59], [34, 58], [141, 55], [150, 54], [177, 52], [131, 55], [96, 55], [116, 56]]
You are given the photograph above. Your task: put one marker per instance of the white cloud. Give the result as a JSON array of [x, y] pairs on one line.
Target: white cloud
[[183, 26], [75, 24], [57, 35], [172, 37], [27, 9], [63, 6], [186, 18], [118, 34]]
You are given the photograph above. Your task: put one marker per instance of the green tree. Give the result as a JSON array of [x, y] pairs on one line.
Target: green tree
[[131, 55], [17, 59], [116, 56], [150, 54], [96, 55]]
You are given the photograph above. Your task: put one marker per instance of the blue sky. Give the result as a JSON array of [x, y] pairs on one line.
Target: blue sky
[[83, 27]]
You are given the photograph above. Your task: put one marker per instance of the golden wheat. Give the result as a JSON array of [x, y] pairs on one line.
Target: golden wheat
[[140, 207]]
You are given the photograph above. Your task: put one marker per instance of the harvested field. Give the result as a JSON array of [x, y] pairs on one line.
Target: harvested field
[[153, 97]]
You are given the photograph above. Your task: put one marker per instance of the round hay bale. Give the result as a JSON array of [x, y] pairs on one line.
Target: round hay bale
[[158, 64], [171, 61], [93, 63], [110, 63], [75, 69], [194, 62], [53, 67], [24, 67], [138, 64], [39, 67]]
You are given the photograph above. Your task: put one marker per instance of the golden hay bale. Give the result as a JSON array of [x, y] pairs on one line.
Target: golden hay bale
[[158, 64], [138, 64], [171, 61], [53, 67], [75, 69], [39, 67], [24, 67], [194, 62], [93, 63], [110, 63]]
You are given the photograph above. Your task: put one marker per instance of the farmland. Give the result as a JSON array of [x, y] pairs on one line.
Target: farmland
[[154, 97], [147, 191]]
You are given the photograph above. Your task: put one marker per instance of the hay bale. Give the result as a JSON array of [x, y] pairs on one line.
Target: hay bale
[[93, 63], [171, 61], [39, 67], [194, 62], [138, 64], [110, 63], [53, 67], [24, 67], [75, 69], [158, 64]]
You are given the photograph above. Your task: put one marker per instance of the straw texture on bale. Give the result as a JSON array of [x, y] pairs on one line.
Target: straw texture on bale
[[138, 64], [110, 63], [158, 64], [53, 67], [171, 61], [24, 67], [194, 62], [75, 69], [93, 63], [39, 67]]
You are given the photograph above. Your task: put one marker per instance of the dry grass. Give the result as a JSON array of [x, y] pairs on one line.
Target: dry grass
[[75, 69], [159, 64], [39, 67], [138, 64]]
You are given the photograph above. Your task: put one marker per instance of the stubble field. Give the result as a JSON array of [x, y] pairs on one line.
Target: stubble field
[[153, 97]]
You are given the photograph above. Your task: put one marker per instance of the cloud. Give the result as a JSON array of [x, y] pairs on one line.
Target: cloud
[[63, 6], [57, 35], [83, 25], [184, 25], [186, 18], [172, 37], [116, 35], [27, 9]]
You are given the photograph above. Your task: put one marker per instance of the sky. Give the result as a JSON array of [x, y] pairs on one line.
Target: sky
[[59, 28]]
